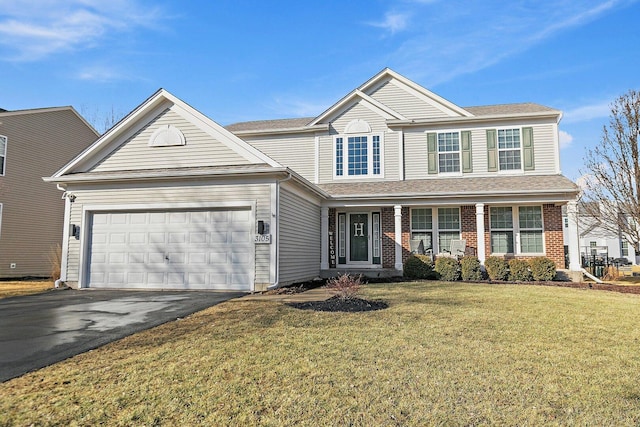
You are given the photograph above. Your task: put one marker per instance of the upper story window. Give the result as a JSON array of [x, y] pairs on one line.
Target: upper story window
[[509, 155], [449, 152], [3, 153], [358, 155], [510, 149]]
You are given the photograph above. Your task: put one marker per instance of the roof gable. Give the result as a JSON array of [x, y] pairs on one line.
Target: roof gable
[[150, 135], [395, 98]]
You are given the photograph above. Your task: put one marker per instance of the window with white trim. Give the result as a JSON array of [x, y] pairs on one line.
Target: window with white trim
[[449, 152], [624, 248], [3, 153], [422, 226], [448, 227], [358, 156], [516, 230], [509, 149]]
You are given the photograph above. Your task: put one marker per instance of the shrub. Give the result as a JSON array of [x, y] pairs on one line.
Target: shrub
[[345, 286], [470, 268], [519, 270], [448, 268], [419, 267], [542, 269], [497, 268]]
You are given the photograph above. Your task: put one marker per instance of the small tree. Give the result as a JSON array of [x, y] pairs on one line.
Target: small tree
[[345, 286], [611, 184]]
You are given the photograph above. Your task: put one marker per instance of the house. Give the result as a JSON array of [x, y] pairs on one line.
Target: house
[[34, 143], [170, 199], [593, 239]]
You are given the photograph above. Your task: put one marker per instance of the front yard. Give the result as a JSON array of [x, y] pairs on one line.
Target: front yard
[[452, 354], [12, 289]]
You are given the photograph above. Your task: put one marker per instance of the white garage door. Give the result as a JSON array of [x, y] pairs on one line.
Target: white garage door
[[172, 250]]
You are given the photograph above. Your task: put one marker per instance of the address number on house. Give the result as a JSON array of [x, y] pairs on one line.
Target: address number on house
[[262, 238]]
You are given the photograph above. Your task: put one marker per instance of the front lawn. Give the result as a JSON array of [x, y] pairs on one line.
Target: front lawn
[[12, 289], [447, 354]]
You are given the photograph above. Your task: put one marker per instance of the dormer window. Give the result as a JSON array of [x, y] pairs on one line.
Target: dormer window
[[358, 155]]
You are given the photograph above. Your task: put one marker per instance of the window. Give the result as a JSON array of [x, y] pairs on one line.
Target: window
[[422, 226], [624, 246], [448, 152], [509, 149], [448, 227], [501, 221], [594, 248], [528, 229], [3, 153], [362, 156]]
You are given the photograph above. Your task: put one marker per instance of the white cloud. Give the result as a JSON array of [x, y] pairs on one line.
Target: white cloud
[[565, 139], [448, 40], [586, 113], [32, 30], [393, 22]]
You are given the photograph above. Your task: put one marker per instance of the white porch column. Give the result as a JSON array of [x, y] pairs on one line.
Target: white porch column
[[573, 238], [482, 252], [324, 238], [398, 229]]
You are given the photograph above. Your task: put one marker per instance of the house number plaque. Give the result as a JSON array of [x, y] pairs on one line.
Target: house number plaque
[[262, 239]]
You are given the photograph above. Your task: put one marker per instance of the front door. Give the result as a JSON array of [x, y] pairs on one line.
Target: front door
[[359, 237]]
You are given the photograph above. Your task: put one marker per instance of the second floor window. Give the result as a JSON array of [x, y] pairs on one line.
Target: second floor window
[[3, 153], [509, 149], [449, 152], [358, 156]]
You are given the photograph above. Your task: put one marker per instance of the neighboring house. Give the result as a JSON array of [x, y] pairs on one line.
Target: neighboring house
[[34, 143], [170, 199], [595, 240]]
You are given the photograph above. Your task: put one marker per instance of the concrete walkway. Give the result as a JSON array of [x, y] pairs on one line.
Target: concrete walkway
[[315, 294]]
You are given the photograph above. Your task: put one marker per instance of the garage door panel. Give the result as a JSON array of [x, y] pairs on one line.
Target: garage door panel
[[173, 249]]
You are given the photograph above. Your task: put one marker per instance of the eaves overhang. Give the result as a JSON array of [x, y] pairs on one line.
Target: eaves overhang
[[557, 115], [284, 131]]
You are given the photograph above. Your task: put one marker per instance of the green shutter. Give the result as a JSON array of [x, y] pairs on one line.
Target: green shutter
[[492, 151], [466, 151], [527, 146], [432, 153]]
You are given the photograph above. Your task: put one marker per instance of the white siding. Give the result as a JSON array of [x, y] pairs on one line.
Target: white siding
[[200, 150], [294, 151], [299, 238], [163, 193], [405, 103]]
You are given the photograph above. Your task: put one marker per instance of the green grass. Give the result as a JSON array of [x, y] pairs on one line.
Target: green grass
[[443, 354], [12, 289]]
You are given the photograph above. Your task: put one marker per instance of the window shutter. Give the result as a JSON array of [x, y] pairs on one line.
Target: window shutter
[[527, 152], [432, 153], [466, 151], [492, 150]]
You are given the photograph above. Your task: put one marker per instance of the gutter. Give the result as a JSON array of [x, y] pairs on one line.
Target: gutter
[[475, 119], [276, 283]]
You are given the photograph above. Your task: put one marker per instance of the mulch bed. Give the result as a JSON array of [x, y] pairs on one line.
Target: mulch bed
[[337, 304]]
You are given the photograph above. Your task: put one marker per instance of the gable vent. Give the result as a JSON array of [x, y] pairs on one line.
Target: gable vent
[[357, 126], [166, 136]]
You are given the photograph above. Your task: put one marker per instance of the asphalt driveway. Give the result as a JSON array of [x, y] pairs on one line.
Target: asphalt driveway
[[42, 329]]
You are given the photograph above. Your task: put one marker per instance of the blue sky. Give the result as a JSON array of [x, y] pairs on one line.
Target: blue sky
[[249, 60]]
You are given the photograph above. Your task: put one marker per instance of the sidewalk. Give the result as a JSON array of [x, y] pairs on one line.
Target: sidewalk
[[315, 294]]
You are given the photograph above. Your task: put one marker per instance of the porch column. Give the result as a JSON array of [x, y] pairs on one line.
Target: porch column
[[482, 253], [398, 229], [573, 238], [324, 238]]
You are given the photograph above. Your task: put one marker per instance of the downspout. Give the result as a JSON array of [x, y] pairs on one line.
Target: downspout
[[65, 238], [276, 283]]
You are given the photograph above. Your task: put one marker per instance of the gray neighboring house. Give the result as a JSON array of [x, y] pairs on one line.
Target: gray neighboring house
[[169, 199], [34, 143]]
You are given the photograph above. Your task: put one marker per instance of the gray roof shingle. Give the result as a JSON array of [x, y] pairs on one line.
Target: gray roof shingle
[[442, 187]]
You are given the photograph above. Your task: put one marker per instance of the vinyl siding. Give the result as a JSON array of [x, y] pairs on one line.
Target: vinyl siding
[[405, 103], [201, 149], [294, 151], [415, 149], [299, 238], [200, 192], [39, 143], [377, 124]]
